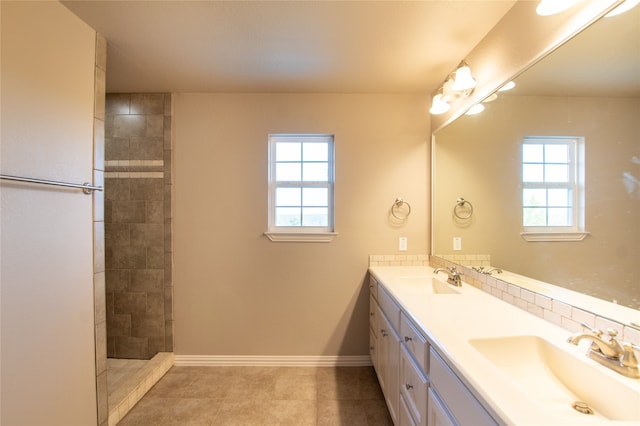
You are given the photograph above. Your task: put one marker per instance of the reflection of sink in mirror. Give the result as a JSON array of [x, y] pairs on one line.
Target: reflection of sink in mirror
[[556, 378], [434, 285]]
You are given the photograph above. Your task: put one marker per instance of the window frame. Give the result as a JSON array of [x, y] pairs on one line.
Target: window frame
[[300, 233], [576, 231]]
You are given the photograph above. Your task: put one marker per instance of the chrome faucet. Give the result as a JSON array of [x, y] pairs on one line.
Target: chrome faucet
[[488, 271], [453, 276], [610, 353]]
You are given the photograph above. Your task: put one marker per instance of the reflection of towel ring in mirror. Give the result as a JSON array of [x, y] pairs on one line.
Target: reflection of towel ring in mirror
[[463, 209], [397, 205]]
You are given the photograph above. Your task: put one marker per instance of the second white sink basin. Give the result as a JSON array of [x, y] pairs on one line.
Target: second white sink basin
[[557, 378], [434, 285]]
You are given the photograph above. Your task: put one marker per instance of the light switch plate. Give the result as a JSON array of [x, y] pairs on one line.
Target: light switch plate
[[457, 243]]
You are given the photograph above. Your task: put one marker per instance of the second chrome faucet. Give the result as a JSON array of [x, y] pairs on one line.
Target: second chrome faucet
[[453, 276]]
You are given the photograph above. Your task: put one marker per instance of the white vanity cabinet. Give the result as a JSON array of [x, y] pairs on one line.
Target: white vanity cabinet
[[384, 315], [419, 387], [457, 401]]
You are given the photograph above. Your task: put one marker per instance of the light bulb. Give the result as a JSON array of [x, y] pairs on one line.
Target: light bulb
[[464, 80], [510, 85], [476, 109], [439, 105], [552, 7], [624, 7]]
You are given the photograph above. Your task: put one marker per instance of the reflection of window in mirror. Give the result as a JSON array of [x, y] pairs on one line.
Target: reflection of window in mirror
[[552, 186]]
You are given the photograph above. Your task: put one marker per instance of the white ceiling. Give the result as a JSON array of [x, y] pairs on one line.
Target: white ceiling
[[286, 46]]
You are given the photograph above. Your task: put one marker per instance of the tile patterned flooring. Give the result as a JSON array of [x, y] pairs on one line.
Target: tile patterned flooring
[[265, 396]]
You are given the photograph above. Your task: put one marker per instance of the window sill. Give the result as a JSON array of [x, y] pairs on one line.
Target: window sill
[[553, 236], [290, 237]]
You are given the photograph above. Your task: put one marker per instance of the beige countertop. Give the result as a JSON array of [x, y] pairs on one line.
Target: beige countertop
[[450, 321]]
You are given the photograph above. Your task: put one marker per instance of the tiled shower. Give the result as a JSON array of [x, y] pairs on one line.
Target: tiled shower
[[137, 215]]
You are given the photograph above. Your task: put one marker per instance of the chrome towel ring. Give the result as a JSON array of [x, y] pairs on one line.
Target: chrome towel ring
[[398, 212], [463, 209]]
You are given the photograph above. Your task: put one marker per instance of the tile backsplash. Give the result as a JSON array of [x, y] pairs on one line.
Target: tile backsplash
[[558, 312]]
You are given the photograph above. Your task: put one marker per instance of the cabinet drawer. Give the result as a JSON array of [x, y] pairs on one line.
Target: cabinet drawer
[[373, 287], [413, 386], [414, 341], [458, 399], [389, 307]]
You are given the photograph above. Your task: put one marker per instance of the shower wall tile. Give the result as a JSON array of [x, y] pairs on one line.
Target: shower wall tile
[[147, 234], [119, 325], [155, 306], [147, 280], [126, 258], [117, 148], [128, 211], [155, 257], [146, 148], [99, 294], [132, 347], [126, 126], [147, 103], [117, 104], [154, 212], [98, 143], [154, 126], [117, 235], [147, 189], [117, 189], [98, 196], [138, 141], [130, 302]]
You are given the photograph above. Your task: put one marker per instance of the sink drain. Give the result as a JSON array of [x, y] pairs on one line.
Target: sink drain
[[582, 407]]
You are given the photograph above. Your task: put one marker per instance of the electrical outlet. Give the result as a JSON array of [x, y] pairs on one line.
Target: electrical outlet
[[402, 244], [457, 243]]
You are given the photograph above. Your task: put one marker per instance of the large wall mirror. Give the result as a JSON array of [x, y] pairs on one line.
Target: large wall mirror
[[589, 88]]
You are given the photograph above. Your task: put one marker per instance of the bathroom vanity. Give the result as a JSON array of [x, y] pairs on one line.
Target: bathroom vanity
[[448, 355]]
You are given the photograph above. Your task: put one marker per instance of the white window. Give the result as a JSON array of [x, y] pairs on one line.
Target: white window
[[301, 182], [552, 189]]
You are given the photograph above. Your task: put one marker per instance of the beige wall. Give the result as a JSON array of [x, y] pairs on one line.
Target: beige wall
[[48, 371], [236, 292], [478, 158]]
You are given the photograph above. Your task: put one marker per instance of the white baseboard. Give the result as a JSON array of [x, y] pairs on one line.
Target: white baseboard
[[272, 361]]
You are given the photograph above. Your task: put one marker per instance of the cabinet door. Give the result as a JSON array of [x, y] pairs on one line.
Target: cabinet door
[[373, 331], [404, 417], [413, 387], [389, 362], [436, 412]]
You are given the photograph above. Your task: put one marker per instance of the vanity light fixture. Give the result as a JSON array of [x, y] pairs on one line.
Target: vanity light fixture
[[553, 7], [463, 79], [624, 7], [459, 83], [439, 105]]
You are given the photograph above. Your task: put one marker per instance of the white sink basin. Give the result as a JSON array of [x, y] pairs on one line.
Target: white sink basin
[[434, 285], [557, 378]]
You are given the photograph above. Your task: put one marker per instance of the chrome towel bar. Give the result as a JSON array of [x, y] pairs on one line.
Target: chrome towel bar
[[87, 188]]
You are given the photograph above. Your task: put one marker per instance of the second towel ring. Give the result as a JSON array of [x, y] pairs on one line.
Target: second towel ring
[[396, 205], [463, 209]]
